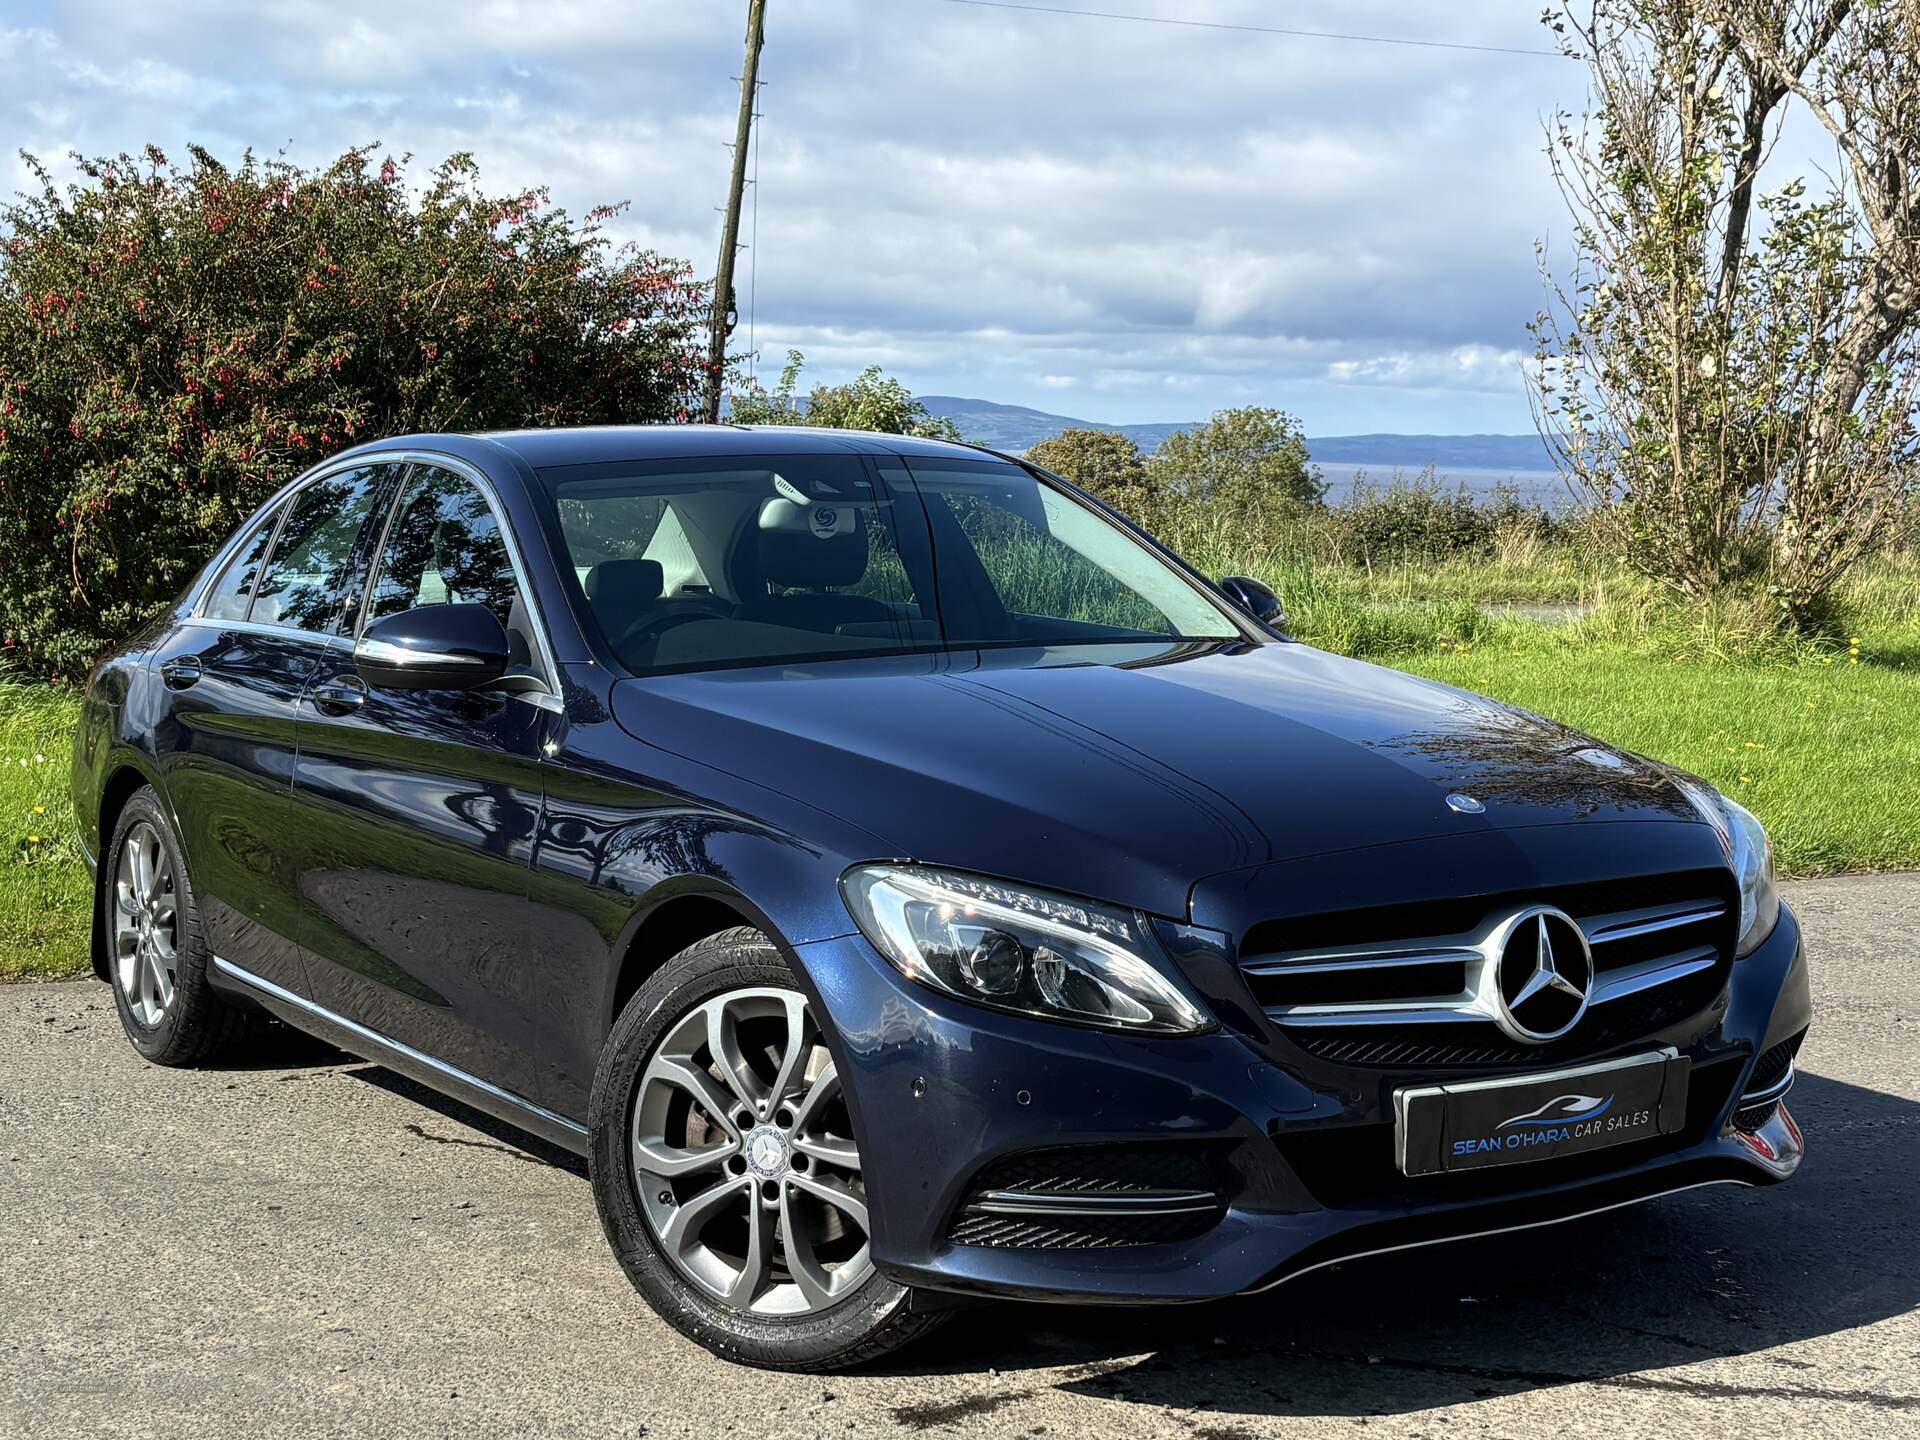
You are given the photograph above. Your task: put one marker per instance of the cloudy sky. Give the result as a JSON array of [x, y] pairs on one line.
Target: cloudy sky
[[1116, 220]]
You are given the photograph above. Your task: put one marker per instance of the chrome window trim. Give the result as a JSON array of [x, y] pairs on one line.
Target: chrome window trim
[[546, 698], [489, 493], [386, 1042]]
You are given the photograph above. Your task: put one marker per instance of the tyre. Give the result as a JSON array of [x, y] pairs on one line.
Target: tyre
[[726, 1172], [156, 958]]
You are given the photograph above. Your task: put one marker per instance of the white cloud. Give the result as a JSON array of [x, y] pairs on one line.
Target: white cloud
[[1001, 204]]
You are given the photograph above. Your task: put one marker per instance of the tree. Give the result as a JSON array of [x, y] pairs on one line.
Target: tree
[[176, 343], [1246, 457], [875, 401], [1102, 462], [1728, 375]]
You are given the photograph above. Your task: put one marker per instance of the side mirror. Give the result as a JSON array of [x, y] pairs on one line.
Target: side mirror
[[1256, 599], [434, 647]]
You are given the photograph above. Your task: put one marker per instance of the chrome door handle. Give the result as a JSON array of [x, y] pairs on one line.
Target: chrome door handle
[[181, 671], [341, 695]]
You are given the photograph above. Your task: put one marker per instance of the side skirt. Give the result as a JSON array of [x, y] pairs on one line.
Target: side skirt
[[437, 1074]]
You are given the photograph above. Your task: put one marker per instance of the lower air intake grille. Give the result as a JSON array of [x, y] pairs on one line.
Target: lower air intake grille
[[1091, 1197], [1771, 1078]]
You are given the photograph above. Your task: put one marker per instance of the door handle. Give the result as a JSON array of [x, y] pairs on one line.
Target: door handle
[[180, 672], [341, 695]]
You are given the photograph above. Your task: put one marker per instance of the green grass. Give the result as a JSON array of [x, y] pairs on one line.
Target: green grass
[[43, 881], [1820, 738]]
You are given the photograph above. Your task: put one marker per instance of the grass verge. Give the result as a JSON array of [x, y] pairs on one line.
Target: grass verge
[[43, 881]]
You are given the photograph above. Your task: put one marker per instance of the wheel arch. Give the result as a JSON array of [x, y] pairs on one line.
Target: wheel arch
[[682, 917]]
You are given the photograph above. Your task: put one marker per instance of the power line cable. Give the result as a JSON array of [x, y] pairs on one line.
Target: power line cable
[[1256, 29]]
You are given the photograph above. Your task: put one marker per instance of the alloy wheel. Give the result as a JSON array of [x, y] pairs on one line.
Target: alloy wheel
[[145, 928], [744, 1160]]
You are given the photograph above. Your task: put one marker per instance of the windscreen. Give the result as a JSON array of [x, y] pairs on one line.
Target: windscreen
[[698, 565]]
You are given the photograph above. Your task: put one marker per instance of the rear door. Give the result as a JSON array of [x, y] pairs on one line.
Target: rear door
[[233, 675], [421, 808]]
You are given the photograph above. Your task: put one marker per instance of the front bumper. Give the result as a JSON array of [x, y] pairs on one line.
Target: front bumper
[[942, 1092]]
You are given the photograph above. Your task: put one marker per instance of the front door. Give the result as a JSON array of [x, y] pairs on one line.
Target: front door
[[421, 808]]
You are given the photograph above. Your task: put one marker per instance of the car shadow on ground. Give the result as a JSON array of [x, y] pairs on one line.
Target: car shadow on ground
[[1615, 1299]]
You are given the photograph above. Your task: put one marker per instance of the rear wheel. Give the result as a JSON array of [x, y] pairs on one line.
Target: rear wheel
[[157, 960], [726, 1171]]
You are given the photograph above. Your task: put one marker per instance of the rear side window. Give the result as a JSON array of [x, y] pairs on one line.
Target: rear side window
[[233, 591], [445, 547], [313, 569]]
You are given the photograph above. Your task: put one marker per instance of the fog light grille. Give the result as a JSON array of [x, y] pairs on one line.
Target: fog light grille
[[1091, 1197]]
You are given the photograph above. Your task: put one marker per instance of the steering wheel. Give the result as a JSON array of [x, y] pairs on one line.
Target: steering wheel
[[652, 627]]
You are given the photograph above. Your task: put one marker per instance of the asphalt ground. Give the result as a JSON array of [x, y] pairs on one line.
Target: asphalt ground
[[314, 1246]]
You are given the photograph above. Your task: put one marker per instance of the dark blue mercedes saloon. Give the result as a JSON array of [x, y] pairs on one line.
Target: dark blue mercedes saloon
[[906, 883]]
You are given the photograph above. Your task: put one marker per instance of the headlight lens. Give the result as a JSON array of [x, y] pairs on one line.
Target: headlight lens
[[1029, 951], [1750, 853]]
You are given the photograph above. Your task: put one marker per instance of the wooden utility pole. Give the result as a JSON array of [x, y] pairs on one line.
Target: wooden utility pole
[[730, 232]]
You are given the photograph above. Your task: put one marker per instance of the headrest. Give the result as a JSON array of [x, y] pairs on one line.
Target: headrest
[[612, 579], [812, 546], [621, 590]]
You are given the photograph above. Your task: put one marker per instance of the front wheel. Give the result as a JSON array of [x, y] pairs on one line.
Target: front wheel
[[726, 1171]]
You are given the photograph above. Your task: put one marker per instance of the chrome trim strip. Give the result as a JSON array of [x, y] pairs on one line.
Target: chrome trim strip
[[1321, 963], [374, 1037], [1496, 1230], [1085, 1205], [1378, 1012], [387, 653], [255, 627], [1775, 1091], [1625, 924], [1662, 969]]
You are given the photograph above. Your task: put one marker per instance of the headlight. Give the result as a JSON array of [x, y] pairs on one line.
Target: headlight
[[1028, 951], [1750, 853]]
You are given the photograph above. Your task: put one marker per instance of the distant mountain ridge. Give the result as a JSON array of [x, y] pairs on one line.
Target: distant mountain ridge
[[1019, 427]]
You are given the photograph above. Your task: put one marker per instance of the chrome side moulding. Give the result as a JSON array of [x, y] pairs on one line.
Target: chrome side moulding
[[484, 1095]]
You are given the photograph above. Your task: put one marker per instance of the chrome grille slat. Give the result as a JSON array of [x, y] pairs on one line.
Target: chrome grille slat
[[1626, 924], [1661, 970], [1323, 962]]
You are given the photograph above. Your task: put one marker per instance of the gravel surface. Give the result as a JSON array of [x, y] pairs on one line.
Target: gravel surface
[[314, 1246]]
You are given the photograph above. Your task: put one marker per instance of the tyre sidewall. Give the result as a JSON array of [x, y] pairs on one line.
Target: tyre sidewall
[[822, 1340]]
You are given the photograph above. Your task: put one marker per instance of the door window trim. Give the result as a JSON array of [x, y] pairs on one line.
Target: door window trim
[[414, 459], [547, 697]]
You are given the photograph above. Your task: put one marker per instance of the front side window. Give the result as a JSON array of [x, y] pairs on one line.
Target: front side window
[[318, 562], [232, 593], [445, 547], [770, 560]]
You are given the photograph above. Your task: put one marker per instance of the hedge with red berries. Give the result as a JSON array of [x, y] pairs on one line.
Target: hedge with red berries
[[176, 342]]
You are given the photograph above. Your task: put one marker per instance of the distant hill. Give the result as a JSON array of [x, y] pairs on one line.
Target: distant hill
[[1017, 427]]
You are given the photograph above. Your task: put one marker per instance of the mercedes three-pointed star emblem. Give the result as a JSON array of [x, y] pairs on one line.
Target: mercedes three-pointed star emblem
[[1545, 975]]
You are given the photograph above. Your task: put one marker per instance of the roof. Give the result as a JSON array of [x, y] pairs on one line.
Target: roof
[[599, 444]]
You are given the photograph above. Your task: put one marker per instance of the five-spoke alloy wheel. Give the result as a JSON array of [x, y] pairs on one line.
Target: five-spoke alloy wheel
[[727, 1171], [746, 1169]]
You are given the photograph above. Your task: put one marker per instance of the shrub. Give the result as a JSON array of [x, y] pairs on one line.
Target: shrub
[[873, 401], [175, 343]]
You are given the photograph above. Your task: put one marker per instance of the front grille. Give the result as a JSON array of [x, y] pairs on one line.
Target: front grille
[[1092, 1197], [1772, 1077], [1353, 1166], [1412, 986]]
